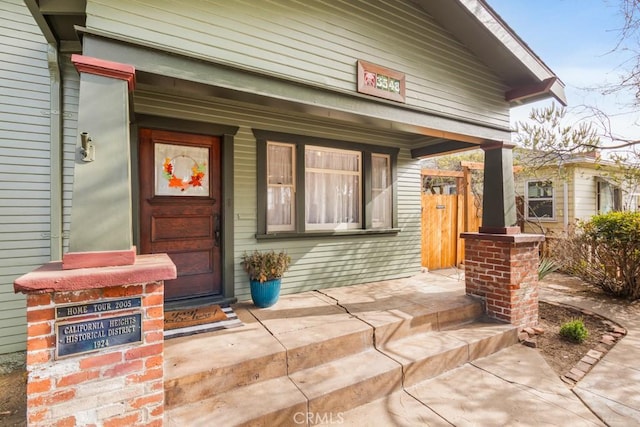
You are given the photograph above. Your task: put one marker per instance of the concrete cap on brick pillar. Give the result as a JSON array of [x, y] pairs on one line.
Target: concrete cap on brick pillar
[[503, 237], [52, 277]]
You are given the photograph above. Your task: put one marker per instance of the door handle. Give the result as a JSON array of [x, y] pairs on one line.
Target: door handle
[[216, 231]]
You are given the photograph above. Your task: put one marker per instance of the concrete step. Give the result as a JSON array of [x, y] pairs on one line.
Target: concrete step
[[398, 409], [308, 356], [314, 329], [273, 402], [204, 365], [351, 381], [352, 388], [330, 388], [428, 354], [418, 316]]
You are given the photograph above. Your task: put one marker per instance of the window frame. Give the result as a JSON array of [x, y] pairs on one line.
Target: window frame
[[373, 189], [326, 226], [300, 142], [292, 226], [616, 195], [528, 199]]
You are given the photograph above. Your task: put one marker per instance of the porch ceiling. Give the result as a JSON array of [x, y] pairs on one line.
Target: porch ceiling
[[422, 140]]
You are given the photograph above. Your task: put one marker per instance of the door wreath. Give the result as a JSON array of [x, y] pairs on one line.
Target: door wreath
[[195, 180]]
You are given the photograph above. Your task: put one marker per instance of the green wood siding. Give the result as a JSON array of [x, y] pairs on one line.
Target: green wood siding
[[70, 94], [318, 43], [317, 263], [24, 163]]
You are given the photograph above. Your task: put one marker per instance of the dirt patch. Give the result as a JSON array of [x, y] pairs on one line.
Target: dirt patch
[[560, 354], [13, 402], [13, 388]]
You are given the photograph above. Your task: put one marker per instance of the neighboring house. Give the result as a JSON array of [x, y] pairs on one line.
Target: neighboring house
[[206, 129], [554, 199]]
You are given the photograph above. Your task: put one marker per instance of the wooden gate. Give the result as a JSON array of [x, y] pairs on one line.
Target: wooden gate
[[444, 217], [440, 224]]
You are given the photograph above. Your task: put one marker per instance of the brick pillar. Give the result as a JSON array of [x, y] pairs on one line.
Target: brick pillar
[[79, 373], [502, 269]]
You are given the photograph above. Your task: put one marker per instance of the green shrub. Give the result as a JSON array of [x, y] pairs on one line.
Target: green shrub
[[604, 251], [574, 331]]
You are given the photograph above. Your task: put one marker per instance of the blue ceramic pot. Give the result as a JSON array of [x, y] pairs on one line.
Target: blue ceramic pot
[[265, 294]]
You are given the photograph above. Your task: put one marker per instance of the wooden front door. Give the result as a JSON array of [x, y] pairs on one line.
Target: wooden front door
[[180, 208]]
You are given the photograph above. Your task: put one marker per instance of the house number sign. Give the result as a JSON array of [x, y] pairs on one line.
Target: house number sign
[[381, 82]]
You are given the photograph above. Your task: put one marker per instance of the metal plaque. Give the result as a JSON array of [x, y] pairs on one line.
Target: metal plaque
[[97, 334], [102, 306]]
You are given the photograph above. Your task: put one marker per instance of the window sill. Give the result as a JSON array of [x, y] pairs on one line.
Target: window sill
[[542, 220], [324, 234]]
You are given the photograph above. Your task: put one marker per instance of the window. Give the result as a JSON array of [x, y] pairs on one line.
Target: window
[[281, 186], [314, 185], [381, 190], [332, 188], [540, 204], [609, 196]]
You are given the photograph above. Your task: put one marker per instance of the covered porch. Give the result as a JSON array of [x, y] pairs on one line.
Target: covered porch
[[413, 351], [360, 343]]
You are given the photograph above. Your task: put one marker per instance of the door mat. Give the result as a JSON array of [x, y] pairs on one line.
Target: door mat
[[196, 320]]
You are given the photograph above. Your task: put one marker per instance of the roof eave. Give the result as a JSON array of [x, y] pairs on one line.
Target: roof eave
[[547, 80], [488, 36], [550, 87]]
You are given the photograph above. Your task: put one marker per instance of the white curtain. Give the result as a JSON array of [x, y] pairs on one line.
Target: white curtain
[[332, 188], [280, 187], [381, 191]]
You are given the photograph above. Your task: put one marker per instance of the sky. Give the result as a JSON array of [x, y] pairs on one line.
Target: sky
[[577, 40]]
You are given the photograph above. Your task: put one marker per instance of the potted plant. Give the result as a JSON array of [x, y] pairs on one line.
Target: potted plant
[[265, 270]]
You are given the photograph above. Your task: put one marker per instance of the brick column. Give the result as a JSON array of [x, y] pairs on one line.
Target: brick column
[[502, 269], [102, 381]]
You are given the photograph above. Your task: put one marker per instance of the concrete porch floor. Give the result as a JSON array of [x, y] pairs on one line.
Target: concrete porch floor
[[291, 354]]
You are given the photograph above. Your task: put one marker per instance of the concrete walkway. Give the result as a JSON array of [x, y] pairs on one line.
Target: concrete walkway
[[506, 387], [612, 388], [514, 387]]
